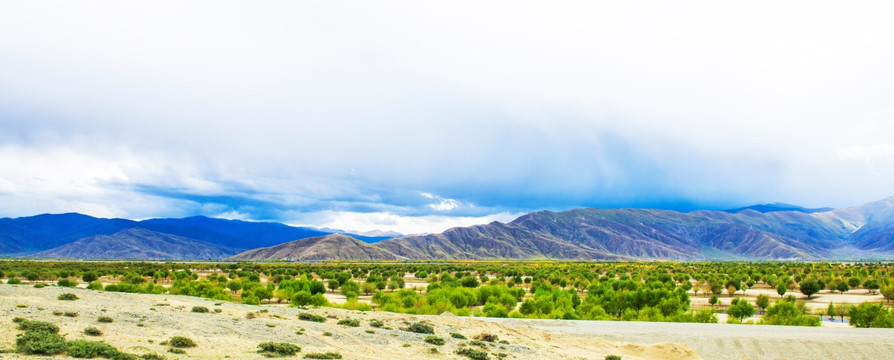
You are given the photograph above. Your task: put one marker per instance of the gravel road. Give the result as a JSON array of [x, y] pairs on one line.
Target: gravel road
[[727, 341]]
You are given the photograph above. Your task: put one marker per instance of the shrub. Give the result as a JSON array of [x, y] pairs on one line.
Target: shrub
[[472, 353], [612, 357], [37, 326], [271, 349], [19, 320], [435, 340], [40, 285], [871, 315], [67, 297], [176, 351], [326, 355], [71, 313], [92, 331], [181, 342], [349, 322], [199, 309], [311, 317], [478, 343], [104, 319], [218, 311], [40, 343], [486, 337], [66, 283], [91, 349], [421, 328], [89, 277], [96, 285], [326, 333], [376, 323], [152, 356]]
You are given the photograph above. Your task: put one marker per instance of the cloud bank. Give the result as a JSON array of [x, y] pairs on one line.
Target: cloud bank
[[416, 117]]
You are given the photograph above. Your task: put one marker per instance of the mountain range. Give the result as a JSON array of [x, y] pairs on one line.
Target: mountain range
[[761, 232], [58, 235]]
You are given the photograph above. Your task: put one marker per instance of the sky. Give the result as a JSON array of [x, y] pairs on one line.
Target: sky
[[417, 116]]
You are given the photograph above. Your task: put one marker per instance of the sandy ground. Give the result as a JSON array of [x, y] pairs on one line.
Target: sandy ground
[[231, 334], [725, 341]]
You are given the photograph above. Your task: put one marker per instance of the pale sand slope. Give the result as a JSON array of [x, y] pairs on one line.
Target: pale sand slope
[[726, 341], [231, 334]]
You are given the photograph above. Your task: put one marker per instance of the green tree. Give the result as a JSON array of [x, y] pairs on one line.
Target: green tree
[[234, 286], [872, 285], [831, 311], [350, 289], [89, 277], [762, 302], [333, 284], [842, 287], [713, 300], [809, 287], [740, 309], [888, 292], [871, 315], [781, 290]]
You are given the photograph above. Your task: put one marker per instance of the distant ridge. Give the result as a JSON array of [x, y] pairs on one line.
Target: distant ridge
[[646, 234], [140, 244], [329, 247], [27, 236], [861, 232], [778, 206]]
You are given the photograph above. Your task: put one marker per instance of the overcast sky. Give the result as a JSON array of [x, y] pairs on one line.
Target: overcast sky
[[417, 116]]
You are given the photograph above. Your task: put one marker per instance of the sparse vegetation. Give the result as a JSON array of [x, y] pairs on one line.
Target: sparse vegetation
[[67, 297], [421, 328], [92, 331], [435, 340], [325, 355], [471, 353], [311, 317], [92, 349], [349, 322], [181, 342], [275, 349]]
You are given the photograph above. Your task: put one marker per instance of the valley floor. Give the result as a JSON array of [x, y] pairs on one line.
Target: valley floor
[[143, 321], [231, 333]]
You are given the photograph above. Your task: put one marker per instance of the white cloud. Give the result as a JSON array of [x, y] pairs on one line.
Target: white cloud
[[365, 222], [440, 204], [869, 154], [506, 105]]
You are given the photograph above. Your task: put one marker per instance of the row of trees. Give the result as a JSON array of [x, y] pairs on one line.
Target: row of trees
[[540, 289]]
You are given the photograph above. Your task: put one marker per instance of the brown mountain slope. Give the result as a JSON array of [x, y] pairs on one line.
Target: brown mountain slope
[[329, 247]]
